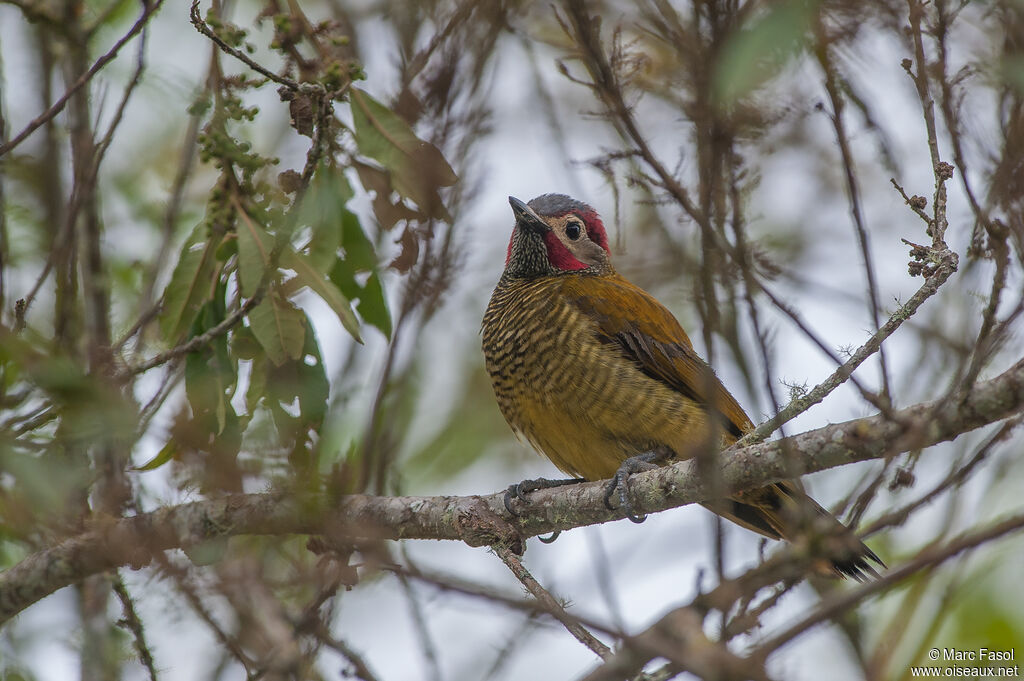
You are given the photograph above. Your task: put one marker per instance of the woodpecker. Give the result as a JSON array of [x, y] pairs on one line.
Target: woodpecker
[[601, 378]]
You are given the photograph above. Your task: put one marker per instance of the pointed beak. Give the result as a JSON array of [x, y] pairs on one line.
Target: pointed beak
[[526, 217]]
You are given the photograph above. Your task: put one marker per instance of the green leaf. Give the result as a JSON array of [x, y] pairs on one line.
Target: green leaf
[[303, 381], [309, 276], [359, 252], [314, 388], [207, 552], [257, 383], [210, 372], [467, 433], [373, 305], [278, 326], [303, 378], [321, 208], [758, 52], [191, 284], [323, 247], [254, 246], [417, 168], [244, 345], [43, 487], [1011, 71], [166, 453]]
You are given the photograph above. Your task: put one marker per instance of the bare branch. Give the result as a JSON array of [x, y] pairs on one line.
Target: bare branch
[[481, 520], [550, 604], [679, 637], [920, 78], [852, 191], [149, 10], [132, 622], [196, 342], [360, 668], [203, 27], [948, 262], [956, 476], [930, 556], [195, 601]]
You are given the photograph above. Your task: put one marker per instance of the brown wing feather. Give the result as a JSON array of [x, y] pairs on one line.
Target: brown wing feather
[[647, 332]]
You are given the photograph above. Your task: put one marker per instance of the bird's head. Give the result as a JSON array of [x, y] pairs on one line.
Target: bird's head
[[555, 234]]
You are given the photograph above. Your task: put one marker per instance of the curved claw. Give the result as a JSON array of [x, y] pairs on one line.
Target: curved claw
[[620, 481], [513, 492], [552, 538], [625, 503], [520, 489], [637, 518]]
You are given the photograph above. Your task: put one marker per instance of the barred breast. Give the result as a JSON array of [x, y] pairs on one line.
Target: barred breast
[[577, 400], [523, 327]]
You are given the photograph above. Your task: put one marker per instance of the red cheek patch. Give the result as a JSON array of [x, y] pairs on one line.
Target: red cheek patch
[[595, 229], [559, 256]]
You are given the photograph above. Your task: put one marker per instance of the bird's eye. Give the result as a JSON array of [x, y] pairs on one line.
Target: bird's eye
[[573, 229]]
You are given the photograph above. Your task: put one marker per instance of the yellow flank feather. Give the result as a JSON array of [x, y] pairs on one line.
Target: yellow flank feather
[[593, 370], [575, 396]]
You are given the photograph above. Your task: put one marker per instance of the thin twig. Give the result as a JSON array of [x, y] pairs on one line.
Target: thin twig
[[172, 376], [984, 342], [551, 605], [108, 137], [131, 621], [58, 106], [948, 261], [519, 638], [453, 584], [957, 476], [360, 668], [204, 28], [916, 12], [916, 203], [181, 580], [928, 557], [853, 194], [196, 342], [460, 15], [940, 32], [419, 619], [679, 637], [601, 562], [36, 418]]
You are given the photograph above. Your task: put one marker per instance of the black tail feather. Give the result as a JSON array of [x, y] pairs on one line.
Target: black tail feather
[[784, 511]]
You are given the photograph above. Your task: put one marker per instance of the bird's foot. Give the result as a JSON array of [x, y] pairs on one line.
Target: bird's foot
[[634, 464], [520, 489]]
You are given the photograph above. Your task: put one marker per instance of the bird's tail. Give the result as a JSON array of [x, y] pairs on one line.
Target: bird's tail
[[784, 511]]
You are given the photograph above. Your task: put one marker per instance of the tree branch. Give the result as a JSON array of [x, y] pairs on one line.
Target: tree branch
[[204, 28], [948, 262], [481, 520], [679, 637], [841, 601], [550, 604], [58, 106]]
